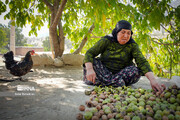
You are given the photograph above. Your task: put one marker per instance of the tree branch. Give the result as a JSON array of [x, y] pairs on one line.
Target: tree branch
[[61, 37], [96, 36], [103, 30], [59, 13], [172, 26], [166, 29], [171, 6], [170, 61], [84, 40], [177, 44], [48, 4], [56, 4], [32, 5]]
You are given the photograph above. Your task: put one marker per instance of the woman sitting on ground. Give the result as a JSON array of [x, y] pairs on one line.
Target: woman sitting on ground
[[115, 65]]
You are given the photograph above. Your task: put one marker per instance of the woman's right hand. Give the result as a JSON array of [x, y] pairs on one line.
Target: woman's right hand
[[90, 74]]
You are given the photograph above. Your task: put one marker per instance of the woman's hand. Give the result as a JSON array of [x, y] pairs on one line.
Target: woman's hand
[[154, 84], [156, 87], [90, 75]]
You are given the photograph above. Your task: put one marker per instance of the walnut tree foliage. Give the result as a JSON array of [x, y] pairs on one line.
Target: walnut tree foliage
[[76, 16]]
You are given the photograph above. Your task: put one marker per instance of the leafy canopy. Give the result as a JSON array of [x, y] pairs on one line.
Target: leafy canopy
[[144, 15]]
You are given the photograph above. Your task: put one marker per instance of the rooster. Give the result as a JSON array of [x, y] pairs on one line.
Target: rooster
[[18, 68]]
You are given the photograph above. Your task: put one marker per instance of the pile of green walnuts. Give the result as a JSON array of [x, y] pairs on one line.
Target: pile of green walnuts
[[126, 103]]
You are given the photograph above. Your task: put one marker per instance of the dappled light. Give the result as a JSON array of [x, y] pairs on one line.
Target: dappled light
[[57, 90], [48, 72], [54, 89], [51, 92], [63, 83]]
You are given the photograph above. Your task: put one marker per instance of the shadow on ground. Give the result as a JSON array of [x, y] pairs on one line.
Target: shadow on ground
[[57, 96], [50, 93]]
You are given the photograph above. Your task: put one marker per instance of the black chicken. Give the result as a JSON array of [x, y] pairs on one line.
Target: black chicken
[[18, 68], [9, 59]]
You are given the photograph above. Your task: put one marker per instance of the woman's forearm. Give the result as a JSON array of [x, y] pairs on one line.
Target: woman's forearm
[[90, 75], [150, 76], [154, 84]]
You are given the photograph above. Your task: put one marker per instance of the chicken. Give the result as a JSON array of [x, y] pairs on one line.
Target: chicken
[[9, 59], [18, 68]]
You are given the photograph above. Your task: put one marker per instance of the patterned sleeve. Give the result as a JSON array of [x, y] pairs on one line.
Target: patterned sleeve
[[94, 51], [140, 60]]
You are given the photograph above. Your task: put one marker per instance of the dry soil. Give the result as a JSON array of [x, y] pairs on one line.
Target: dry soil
[[47, 93]]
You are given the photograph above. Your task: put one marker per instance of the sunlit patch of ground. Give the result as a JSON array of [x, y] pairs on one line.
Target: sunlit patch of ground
[[56, 93]]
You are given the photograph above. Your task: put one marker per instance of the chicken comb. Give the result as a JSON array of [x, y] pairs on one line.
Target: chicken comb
[[33, 51]]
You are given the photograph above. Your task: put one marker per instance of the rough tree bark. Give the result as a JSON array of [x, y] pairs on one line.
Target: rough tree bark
[[61, 38], [84, 40], [57, 39]]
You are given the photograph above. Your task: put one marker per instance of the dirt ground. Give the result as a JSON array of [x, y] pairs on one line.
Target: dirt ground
[[48, 93]]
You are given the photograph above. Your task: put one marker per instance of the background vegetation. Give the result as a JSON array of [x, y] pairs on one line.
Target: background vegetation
[[46, 44], [20, 40], [85, 21]]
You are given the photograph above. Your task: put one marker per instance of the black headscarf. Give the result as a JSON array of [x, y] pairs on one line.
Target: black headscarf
[[122, 24]]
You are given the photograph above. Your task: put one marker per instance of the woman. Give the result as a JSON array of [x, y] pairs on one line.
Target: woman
[[115, 65]]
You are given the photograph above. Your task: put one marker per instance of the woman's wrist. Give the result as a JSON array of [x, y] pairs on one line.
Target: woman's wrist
[[150, 76], [89, 66]]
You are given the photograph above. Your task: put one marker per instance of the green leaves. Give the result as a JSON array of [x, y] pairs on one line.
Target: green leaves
[[3, 37], [78, 15], [2, 7], [177, 12]]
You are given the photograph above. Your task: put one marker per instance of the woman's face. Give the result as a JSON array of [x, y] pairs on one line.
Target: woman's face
[[123, 36]]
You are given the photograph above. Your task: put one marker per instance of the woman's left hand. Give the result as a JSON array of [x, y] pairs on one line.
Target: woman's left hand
[[154, 84], [156, 87]]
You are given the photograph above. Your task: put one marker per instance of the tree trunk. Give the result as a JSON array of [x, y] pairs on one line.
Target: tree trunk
[[57, 41], [54, 38], [12, 38], [51, 45], [84, 40], [61, 38]]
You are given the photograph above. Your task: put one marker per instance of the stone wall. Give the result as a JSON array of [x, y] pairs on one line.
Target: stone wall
[[21, 50], [66, 59]]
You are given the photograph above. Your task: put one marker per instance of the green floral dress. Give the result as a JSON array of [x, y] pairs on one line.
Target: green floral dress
[[116, 57]]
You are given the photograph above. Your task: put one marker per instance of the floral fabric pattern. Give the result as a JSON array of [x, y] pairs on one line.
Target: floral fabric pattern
[[104, 77]]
